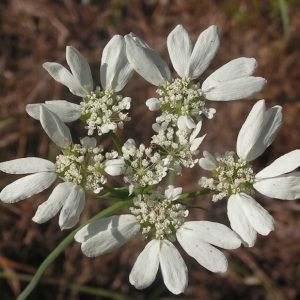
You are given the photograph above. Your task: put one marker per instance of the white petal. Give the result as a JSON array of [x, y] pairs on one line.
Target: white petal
[[153, 104], [58, 132], [65, 110], [258, 217], [108, 223], [140, 276], [180, 49], [284, 164], [235, 69], [204, 51], [62, 75], [27, 165], [26, 187], [173, 268], [115, 70], [205, 254], [258, 131], [172, 193], [50, 208], [74, 205], [213, 233], [196, 131], [196, 143], [239, 88], [80, 68], [284, 187], [146, 62], [185, 123], [114, 167], [239, 222], [120, 229], [208, 162]]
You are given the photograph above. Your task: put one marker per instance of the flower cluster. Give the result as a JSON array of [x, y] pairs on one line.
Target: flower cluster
[[158, 215]]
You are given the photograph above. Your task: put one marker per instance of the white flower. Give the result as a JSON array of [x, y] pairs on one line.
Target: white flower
[[233, 81], [69, 197], [102, 109], [73, 166], [246, 216], [160, 212]]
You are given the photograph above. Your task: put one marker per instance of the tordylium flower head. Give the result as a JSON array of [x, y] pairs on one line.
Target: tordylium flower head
[[181, 100], [234, 178], [158, 216], [102, 109], [161, 218], [81, 167]]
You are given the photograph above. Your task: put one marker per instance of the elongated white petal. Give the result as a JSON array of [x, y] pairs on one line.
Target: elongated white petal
[[208, 162], [73, 206], [173, 193], [284, 164], [284, 187], [196, 143], [146, 62], [27, 165], [27, 186], [65, 110], [235, 69], [96, 227], [114, 167], [204, 51], [58, 132], [119, 230], [213, 233], [180, 49], [79, 68], [196, 131], [205, 254], [153, 104], [115, 70], [258, 131], [239, 88], [250, 130], [258, 217], [173, 268], [140, 276], [62, 75], [51, 207], [239, 221]]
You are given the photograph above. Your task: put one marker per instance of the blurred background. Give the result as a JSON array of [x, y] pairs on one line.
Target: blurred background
[[33, 32]]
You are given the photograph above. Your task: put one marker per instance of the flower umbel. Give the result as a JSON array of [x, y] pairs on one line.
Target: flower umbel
[[235, 179], [182, 97], [159, 217], [231, 175], [102, 109]]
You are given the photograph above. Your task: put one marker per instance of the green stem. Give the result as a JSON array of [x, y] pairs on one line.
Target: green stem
[[71, 286], [64, 244], [194, 194], [116, 142], [285, 18]]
